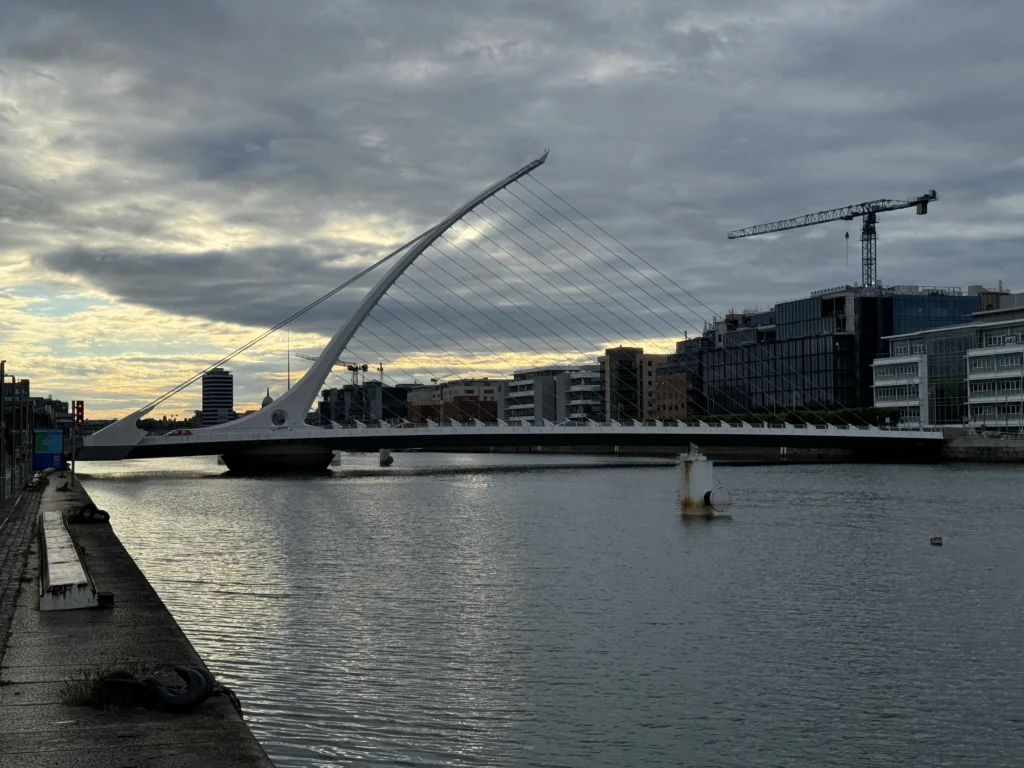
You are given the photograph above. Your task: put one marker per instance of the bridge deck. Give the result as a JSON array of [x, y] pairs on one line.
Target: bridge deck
[[493, 435]]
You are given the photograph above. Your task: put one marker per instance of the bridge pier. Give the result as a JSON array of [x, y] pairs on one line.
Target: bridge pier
[[275, 460]]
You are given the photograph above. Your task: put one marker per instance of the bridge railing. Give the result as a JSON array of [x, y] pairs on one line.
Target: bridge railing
[[243, 435]]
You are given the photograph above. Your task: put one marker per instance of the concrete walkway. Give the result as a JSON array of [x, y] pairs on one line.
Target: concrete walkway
[[46, 649]]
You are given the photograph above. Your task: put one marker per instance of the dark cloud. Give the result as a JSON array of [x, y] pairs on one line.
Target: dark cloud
[[670, 124]]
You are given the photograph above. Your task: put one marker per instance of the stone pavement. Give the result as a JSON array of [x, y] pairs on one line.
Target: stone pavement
[[37, 728]]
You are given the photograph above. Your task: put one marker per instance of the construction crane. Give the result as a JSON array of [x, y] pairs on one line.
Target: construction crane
[[355, 368], [868, 234]]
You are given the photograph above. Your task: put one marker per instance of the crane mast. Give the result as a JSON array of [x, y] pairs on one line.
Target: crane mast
[[868, 234]]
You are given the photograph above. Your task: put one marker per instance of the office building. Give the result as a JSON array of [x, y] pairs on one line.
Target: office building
[[966, 374], [628, 381], [813, 353], [218, 397]]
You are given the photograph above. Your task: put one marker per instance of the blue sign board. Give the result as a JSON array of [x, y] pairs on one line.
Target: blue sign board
[[49, 450]]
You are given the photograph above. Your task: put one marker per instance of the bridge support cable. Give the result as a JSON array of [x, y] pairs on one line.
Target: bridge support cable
[[588, 341], [369, 361], [611, 266], [426, 323], [533, 256], [449, 338], [476, 325], [560, 359], [651, 298], [527, 266], [412, 275], [492, 305], [405, 337], [290, 319], [525, 361], [650, 266], [665, 278], [412, 376]]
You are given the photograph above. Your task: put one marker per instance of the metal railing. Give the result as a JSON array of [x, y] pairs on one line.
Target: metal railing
[[684, 427]]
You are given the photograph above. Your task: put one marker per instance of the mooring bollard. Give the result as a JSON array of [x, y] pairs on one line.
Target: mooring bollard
[[700, 495]]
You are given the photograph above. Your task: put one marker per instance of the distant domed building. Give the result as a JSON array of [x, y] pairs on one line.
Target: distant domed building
[[266, 400]]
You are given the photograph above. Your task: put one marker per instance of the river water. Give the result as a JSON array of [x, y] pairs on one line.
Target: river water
[[516, 610]]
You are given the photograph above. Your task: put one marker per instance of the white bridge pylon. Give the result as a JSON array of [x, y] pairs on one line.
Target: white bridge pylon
[[291, 408]]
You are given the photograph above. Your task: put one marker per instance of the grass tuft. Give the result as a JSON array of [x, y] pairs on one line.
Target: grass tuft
[[88, 689]]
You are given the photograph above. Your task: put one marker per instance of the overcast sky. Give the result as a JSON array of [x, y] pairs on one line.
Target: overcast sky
[[176, 177]]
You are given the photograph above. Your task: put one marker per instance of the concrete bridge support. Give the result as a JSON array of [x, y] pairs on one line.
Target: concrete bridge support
[[273, 459]]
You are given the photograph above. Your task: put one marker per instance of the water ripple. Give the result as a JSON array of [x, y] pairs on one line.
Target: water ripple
[[531, 610]]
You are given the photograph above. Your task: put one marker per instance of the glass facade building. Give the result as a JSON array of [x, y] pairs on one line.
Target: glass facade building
[[968, 374], [813, 353], [912, 313]]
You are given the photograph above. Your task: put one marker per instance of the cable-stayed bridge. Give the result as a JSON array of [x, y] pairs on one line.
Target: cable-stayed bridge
[[515, 278]]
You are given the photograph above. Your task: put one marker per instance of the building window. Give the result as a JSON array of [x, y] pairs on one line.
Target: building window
[[983, 387], [1008, 362]]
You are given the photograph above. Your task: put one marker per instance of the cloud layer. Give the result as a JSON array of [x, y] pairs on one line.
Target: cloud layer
[[176, 177]]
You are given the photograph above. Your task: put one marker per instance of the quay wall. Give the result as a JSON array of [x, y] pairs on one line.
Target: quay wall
[[50, 658]]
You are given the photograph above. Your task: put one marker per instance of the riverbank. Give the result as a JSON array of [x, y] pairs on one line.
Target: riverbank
[[984, 449], [46, 652]]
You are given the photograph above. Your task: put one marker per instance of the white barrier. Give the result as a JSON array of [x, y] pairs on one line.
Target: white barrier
[[64, 581]]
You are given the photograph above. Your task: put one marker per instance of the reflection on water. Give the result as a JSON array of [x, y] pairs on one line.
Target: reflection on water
[[511, 610]]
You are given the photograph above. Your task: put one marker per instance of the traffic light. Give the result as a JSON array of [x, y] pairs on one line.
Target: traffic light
[[79, 411]]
